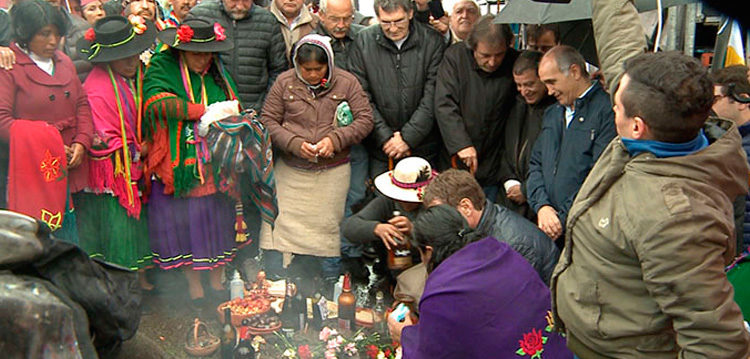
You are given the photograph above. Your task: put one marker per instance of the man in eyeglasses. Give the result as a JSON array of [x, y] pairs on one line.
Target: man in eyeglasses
[[336, 22], [732, 102], [397, 63]]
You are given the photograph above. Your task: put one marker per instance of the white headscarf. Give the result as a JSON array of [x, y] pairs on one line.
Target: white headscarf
[[323, 42]]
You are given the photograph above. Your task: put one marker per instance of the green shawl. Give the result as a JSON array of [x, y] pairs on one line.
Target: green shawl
[[167, 105]]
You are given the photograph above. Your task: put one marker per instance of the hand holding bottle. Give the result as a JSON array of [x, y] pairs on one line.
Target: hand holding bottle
[[403, 224]]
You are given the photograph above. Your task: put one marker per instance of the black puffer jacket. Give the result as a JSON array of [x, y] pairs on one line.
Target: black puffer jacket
[[521, 235], [401, 86], [258, 56]]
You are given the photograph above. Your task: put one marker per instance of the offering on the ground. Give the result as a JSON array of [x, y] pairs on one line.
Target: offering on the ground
[[364, 317], [242, 308], [266, 320]]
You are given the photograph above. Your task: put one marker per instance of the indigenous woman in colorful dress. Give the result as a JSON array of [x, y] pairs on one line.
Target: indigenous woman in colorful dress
[[314, 113], [45, 121], [112, 222], [191, 219]]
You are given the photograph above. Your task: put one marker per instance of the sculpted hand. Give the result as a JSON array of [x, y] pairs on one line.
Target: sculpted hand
[[387, 232], [468, 156], [515, 194], [548, 222]]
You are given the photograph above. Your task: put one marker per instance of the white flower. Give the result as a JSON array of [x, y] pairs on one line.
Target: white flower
[[289, 354]]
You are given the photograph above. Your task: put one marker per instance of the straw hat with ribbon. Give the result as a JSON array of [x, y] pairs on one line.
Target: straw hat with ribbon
[[406, 182], [197, 35], [116, 37]]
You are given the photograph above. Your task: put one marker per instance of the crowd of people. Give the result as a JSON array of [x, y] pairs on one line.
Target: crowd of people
[[545, 205]]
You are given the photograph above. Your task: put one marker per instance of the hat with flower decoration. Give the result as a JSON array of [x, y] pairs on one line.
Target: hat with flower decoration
[[197, 35], [116, 37], [407, 180]]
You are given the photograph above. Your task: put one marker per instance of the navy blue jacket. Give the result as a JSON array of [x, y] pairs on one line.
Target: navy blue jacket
[[745, 133], [562, 157], [521, 235]]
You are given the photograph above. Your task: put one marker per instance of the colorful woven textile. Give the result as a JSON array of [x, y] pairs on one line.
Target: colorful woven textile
[[240, 145]]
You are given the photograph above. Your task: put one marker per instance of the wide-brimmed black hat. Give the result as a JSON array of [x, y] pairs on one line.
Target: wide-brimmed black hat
[[197, 35], [116, 37]]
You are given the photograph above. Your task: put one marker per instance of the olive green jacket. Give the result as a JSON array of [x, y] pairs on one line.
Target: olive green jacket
[[642, 272]]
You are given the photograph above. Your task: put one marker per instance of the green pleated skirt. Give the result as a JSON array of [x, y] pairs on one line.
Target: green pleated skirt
[[106, 231]]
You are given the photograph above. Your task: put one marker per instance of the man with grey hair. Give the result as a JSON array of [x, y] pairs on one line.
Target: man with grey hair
[[258, 55], [336, 22], [471, 122], [465, 14], [396, 62], [575, 131]]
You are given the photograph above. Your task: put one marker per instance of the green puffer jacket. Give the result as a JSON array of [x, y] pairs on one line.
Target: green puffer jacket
[[258, 56]]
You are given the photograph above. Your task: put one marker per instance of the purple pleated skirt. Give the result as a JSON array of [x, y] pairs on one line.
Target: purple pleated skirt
[[195, 231]]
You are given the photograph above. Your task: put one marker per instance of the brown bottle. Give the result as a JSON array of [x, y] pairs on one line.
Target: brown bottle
[[347, 305], [399, 258]]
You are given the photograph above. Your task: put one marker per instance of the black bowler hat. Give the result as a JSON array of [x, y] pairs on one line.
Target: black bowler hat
[[197, 35], [116, 37]]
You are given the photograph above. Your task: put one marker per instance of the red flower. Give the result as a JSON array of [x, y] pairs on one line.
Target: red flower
[[184, 33], [90, 35], [387, 352], [219, 32], [324, 82], [304, 352], [372, 351], [532, 342]]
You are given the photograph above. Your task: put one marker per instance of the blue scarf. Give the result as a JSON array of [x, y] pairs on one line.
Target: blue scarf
[[665, 149]]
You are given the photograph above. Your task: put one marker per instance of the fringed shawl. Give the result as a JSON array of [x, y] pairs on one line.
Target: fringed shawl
[[169, 115]]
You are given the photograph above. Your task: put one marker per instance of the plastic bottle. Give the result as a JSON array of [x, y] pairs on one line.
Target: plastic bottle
[[236, 286]]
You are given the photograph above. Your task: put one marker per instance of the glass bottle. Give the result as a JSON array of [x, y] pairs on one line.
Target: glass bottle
[[228, 336], [288, 315], [347, 305], [379, 322], [317, 319], [399, 258]]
